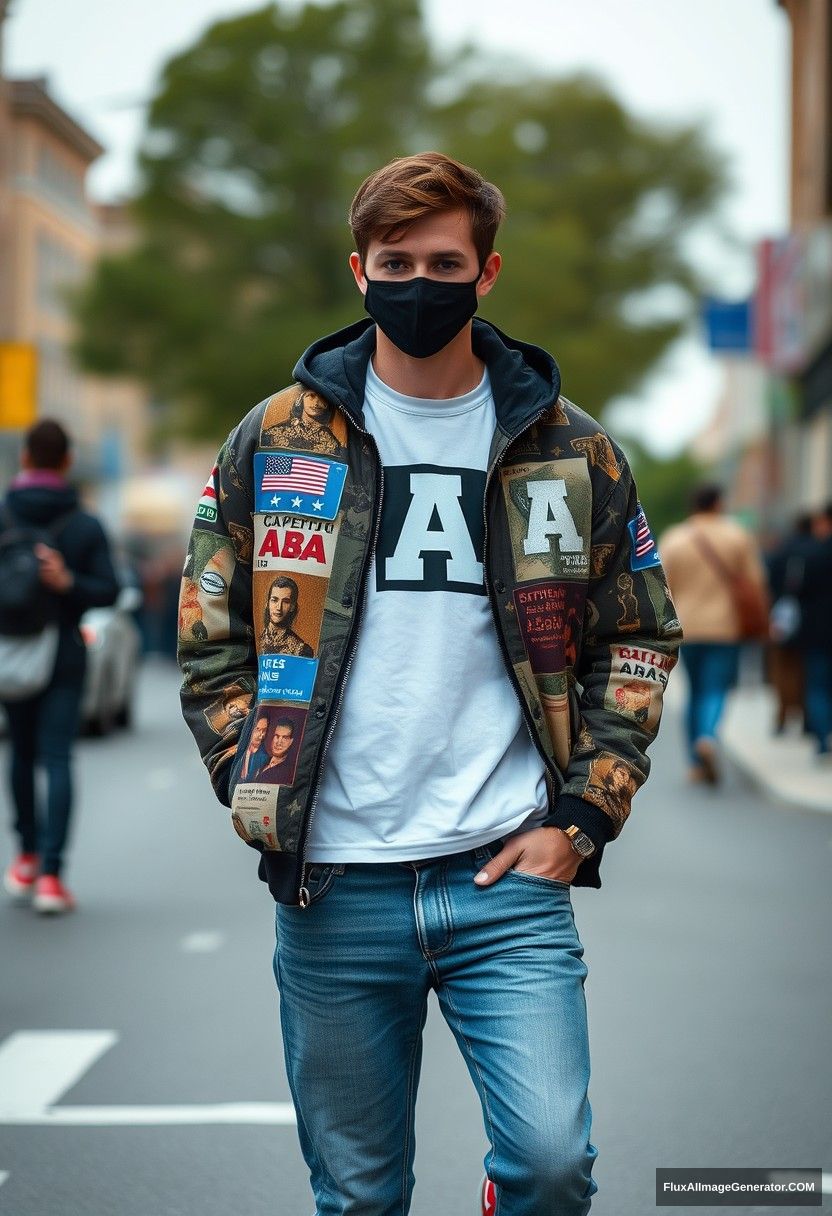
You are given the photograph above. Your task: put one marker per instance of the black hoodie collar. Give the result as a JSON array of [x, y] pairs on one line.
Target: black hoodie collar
[[525, 380]]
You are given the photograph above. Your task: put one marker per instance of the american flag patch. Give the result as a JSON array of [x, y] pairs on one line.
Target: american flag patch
[[295, 473], [297, 483], [643, 551]]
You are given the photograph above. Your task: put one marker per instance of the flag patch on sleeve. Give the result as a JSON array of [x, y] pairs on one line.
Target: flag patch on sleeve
[[643, 551], [207, 506]]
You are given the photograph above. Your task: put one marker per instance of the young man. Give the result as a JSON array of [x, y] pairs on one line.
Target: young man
[[75, 568], [484, 582]]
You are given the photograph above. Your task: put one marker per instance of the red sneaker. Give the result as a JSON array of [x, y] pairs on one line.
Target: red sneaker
[[19, 879], [51, 895], [488, 1197]]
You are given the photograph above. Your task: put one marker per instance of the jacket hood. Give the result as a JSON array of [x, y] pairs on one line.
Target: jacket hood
[[40, 505], [524, 378]]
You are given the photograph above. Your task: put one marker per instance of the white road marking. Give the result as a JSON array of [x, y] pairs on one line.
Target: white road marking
[[274, 1113], [37, 1067], [826, 1184], [204, 942], [3, 1176]]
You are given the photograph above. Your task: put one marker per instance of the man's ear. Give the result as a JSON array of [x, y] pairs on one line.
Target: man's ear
[[358, 273], [488, 276]]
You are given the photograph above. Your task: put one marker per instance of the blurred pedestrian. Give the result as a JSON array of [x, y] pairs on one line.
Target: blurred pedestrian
[[786, 570], [719, 588], [814, 637], [75, 570], [441, 802]]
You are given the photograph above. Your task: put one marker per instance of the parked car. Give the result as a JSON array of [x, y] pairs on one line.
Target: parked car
[[113, 654]]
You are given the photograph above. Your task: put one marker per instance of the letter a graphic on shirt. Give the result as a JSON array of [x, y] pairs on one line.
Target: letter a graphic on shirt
[[435, 495], [550, 516]]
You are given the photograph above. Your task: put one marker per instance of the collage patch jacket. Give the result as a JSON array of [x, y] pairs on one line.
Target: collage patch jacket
[[291, 509]]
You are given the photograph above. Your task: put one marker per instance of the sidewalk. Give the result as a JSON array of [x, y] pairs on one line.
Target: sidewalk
[[784, 767]]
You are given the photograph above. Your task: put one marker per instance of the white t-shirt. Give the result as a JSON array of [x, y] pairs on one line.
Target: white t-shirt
[[430, 753]]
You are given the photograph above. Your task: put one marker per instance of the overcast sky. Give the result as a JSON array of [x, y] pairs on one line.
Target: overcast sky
[[723, 62]]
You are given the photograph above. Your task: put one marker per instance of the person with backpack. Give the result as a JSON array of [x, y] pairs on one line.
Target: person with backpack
[[62, 566]]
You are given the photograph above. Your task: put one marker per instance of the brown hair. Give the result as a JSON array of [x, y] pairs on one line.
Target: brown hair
[[46, 444], [411, 187]]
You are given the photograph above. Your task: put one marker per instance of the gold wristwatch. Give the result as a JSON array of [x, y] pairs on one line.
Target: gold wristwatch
[[580, 842]]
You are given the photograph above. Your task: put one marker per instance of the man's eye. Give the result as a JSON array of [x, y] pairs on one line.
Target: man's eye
[[393, 264], [448, 264]]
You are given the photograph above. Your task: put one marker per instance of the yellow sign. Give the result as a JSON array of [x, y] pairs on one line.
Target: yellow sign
[[18, 385]]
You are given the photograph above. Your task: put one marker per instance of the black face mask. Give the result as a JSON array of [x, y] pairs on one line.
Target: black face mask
[[420, 316]]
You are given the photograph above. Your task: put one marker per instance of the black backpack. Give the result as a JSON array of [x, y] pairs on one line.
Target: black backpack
[[26, 606]]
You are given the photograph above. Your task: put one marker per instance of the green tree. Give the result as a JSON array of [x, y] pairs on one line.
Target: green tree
[[257, 139]]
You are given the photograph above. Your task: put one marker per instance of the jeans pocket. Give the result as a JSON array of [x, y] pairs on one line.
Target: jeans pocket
[[537, 879]]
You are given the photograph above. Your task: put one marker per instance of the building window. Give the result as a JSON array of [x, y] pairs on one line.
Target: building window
[[58, 179], [57, 268]]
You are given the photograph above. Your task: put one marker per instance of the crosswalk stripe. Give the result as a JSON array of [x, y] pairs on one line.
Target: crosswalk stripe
[[37, 1067], [263, 1113]]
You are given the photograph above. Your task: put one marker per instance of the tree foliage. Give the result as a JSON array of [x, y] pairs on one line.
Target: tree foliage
[[255, 143]]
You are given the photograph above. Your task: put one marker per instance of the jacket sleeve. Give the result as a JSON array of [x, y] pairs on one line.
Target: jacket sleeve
[[94, 581], [630, 646], [216, 649]]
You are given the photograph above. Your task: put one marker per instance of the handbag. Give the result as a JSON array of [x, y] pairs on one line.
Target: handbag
[[27, 662], [750, 600]]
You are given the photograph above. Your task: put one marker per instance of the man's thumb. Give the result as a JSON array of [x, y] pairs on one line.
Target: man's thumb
[[496, 867]]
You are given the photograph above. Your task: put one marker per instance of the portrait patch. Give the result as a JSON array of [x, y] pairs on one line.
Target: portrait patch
[[284, 677], [550, 617], [643, 551], [305, 485], [549, 507], [271, 755], [300, 419], [636, 683], [288, 611]]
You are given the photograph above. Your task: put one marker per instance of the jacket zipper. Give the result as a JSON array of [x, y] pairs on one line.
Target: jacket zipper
[[303, 894], [524, 710]]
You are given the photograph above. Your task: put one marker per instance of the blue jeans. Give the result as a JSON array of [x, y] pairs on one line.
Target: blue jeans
[[818, 669], [354, 970], [42, 731], [712, 672]]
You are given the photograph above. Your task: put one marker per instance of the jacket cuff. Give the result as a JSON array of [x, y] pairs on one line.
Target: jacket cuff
[[591, 819], [570, 809]]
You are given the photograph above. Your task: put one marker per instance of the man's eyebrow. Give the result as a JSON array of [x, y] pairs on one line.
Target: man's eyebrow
[[406, 253]]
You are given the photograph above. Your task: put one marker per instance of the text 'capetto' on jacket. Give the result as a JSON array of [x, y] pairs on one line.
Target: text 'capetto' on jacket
[[580, 604]]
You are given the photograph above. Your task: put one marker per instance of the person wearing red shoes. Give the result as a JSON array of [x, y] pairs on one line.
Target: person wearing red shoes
[[75, 572]]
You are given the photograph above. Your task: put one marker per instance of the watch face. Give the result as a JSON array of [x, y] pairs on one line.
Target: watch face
[[583, 844]]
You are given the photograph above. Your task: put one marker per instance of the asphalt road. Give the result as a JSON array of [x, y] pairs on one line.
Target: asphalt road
[[709, 997]]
